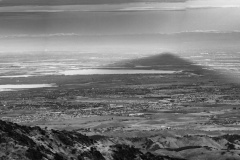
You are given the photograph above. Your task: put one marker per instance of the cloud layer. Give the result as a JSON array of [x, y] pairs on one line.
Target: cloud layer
[[111, 24], [114, 6], [95, 35], [78, 2]]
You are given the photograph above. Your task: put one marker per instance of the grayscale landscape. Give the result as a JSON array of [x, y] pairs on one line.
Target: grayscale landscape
[[119, 80]]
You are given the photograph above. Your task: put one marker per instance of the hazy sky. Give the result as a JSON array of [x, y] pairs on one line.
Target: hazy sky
[[118, 25]]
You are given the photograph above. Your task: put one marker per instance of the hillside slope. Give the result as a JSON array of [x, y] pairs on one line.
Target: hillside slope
[[33, 143]]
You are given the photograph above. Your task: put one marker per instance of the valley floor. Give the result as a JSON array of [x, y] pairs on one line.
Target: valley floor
[[183, 115]]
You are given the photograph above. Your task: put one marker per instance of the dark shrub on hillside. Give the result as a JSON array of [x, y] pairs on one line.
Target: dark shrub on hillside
[[125, 152], [57, 156], [2, 139], [65, 139], [230, 146], [96, 154], [80, 157], [150, 156], [16, 132], [231, 138], [22, 139], [93, 154], [34, 154], [74, 151], [98, 137], [80, 138], [69, 138]]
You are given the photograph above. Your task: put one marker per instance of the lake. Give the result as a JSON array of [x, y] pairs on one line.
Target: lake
[[111, 71], [12, 87]]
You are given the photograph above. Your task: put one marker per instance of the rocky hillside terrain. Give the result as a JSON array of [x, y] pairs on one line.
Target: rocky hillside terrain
[[34, 143]]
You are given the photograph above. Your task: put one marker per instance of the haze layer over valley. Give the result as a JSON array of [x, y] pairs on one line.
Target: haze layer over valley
[[60, 63]]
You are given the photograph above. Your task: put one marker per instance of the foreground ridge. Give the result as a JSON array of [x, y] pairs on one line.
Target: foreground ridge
[[34, 143]]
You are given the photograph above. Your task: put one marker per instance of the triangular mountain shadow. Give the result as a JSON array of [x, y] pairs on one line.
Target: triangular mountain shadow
[[165, 59], [168, 61]]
